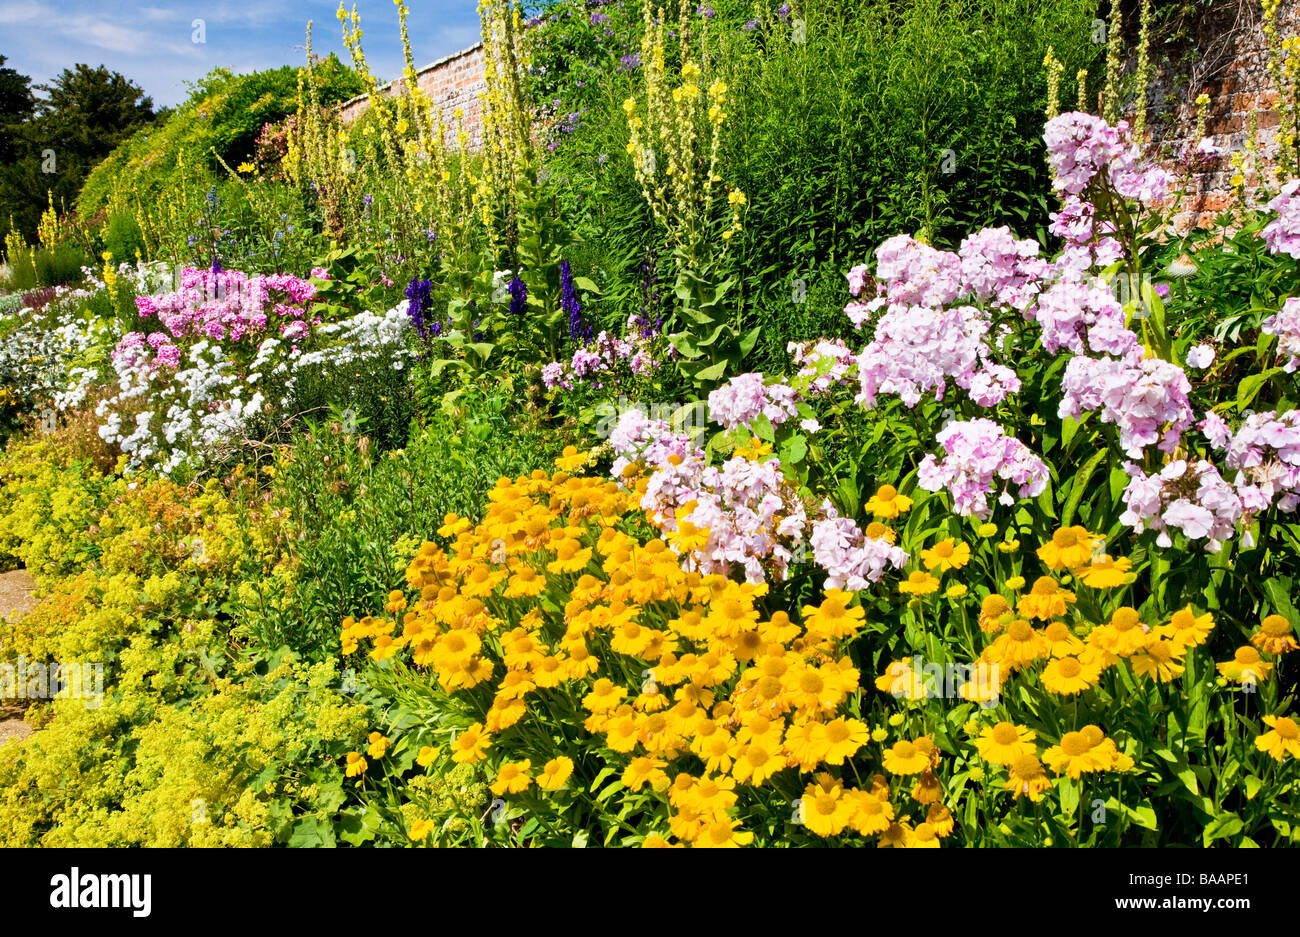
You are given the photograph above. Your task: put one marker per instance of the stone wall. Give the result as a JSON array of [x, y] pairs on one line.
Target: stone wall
[[452, 82], [1229, 64]]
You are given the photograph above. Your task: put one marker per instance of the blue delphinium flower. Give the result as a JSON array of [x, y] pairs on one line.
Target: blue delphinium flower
[[578, 330], [518, 296], [420, 294]]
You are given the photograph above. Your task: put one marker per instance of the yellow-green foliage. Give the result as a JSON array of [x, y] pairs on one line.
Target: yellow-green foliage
[[188, 744]]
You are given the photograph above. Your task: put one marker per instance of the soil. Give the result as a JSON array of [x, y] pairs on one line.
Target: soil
[[17, 590]]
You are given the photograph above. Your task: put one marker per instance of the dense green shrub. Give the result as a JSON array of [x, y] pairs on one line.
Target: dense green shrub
[[223, 115], [932, 124]]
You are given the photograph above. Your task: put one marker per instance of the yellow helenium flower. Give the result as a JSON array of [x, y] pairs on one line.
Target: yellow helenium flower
[[1005, 743], [888, 503], [1046, 600], [555, 773], [1246, 666], [905, 758], [1025, 776], [1069, 676], [1187, 629], [513, 778], [945, 555], [470, 745], [919, 583], [1068, 548], [378, 745], [356, 765], [1160, 660], [420, 830], [1275, 636], [1283, 740], [1107, 573]]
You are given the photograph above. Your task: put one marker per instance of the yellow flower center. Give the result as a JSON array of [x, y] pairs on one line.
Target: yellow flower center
[[1020, 630], [1275, 626], [1124, 619], [1287, 728], [887, 493], [1069, 667], [1075, 744], [1004, 733]]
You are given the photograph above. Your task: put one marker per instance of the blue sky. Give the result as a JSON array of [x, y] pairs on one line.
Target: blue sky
[[152, 42]]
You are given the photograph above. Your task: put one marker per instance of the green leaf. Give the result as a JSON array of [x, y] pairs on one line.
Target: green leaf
[[1221, 827], [312, 832], [1080, 485], [587, 284], [1251, 385]]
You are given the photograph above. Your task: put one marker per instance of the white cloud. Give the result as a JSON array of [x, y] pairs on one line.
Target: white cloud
[[22, 12]]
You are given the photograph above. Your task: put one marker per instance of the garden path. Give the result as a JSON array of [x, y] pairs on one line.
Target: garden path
[[16, 596]]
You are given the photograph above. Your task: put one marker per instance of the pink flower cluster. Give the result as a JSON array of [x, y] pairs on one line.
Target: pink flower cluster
[[996, 266], [755, 518], [1282, 234], [852, 560], [599, 362], [1082, 315], [229, 305], [917, 349], [746, 397], [977, 452], [1285, 324], [1139, 395], [1080, 147], [155, 350], [1265, 451], [1195, 500], [823, 366]]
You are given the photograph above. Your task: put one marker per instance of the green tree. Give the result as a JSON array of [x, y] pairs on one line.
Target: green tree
[[75, 121]]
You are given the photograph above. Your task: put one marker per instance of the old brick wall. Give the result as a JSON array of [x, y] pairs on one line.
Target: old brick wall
[[452, 82], [1230, 66]]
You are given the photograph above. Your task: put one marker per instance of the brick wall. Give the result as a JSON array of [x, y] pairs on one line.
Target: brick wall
[[451, 82], [1231, 67]]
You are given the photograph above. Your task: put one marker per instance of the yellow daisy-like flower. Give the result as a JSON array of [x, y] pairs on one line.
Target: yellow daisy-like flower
[[1005, 743], [1246, 666], [923, 837], [572, 459], [1160, 660], [993, 609], [1069, 676], [356, 765], [1283, 740], [470, 746], [945, 555], [1275, 636], [871, 814], [555, 773], [428, 754], [1107, 573], [888, 503], [1046, 600], [1026, 777], [378, 745], [1187, 629], [919, 583], [513, 778], [722, 833], [905, 758], [1069, 547], [420, 830]]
